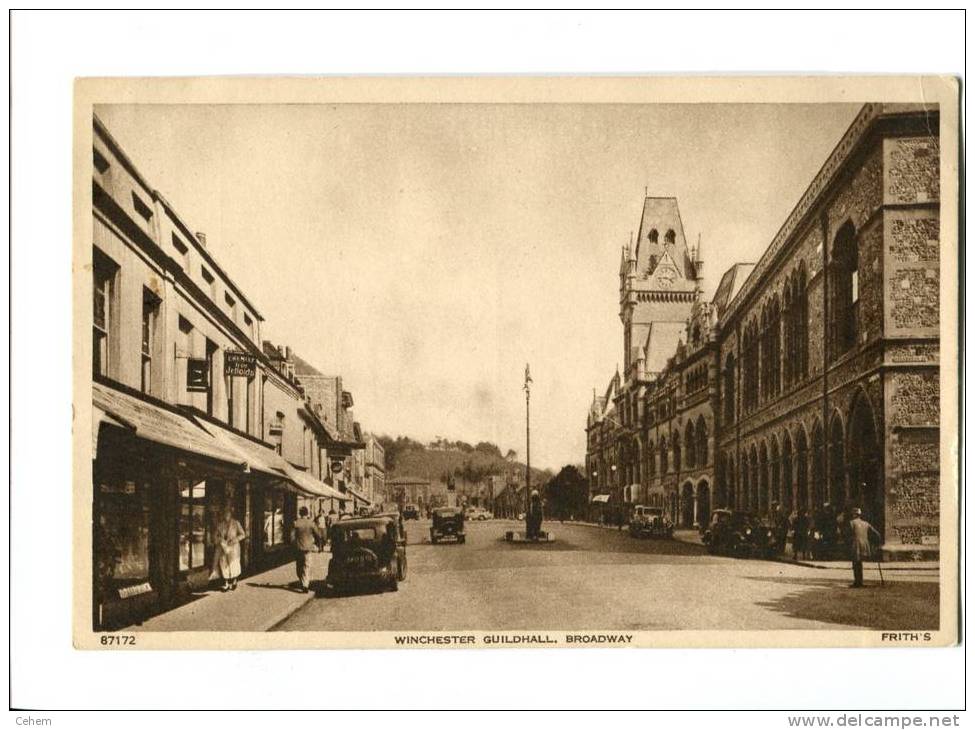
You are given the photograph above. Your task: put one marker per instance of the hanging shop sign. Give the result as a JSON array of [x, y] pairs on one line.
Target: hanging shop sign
[[197, 375], [239, 364]]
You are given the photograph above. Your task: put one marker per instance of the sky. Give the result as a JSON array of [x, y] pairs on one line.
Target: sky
[[428, 252]]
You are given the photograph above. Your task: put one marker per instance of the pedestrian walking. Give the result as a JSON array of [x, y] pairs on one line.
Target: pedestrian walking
[[860, 547], [305, 537], [780, 524], [321, 522], [226, 559], [800, 535]]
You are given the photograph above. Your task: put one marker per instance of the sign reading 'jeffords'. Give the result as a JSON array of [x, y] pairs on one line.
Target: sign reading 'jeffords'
[[239, 364]]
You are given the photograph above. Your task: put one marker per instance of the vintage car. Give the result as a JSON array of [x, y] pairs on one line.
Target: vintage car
[[367, 552], [725, 533], [411, 512], [738, 534], [650, 522], [448, 522]]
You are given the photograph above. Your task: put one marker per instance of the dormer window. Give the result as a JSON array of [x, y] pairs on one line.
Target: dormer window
[[670, 236]]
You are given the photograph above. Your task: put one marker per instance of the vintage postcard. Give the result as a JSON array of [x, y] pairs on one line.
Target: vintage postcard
[[511, 362]]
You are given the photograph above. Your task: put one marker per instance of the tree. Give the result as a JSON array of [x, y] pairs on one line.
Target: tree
[[567, 493]]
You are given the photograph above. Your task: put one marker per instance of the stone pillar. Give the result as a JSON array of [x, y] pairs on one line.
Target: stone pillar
[[695, 519]]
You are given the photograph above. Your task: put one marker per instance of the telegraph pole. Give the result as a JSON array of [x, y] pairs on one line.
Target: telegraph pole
[[528, 443]]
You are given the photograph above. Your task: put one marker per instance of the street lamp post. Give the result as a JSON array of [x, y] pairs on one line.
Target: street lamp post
[[528, 444]]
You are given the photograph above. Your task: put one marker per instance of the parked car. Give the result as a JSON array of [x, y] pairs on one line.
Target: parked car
[[726, 533], [650, 522], [411, 512], [448, 522], [479, 514], [761, 539], [367, 551], [738, 534]]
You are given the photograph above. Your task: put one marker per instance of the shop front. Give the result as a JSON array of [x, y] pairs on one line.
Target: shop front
[[161, 482]]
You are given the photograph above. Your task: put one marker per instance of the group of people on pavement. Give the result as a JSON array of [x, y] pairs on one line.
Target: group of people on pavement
[[822, 535], [307, 536]]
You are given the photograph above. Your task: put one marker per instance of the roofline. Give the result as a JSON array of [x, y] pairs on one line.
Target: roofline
[[102, 130], [846, 148]]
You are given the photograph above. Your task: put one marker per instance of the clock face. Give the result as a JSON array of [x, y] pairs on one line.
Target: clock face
[[666, 277]]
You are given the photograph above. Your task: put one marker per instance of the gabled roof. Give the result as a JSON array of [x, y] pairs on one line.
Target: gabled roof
[[662, 215], [662, 344], [731, 283]]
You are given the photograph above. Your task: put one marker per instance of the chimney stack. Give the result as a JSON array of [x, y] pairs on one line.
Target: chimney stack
[[202, 238]]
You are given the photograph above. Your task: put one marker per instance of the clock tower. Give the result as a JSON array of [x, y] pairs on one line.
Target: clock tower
[[659, 283]]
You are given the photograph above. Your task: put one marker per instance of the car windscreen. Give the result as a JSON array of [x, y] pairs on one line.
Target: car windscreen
[[357, 534]]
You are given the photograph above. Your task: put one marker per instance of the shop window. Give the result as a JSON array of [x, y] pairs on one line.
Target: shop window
[[193, 537], [103, 309], [273, 518], [121, 539], [150, 319]]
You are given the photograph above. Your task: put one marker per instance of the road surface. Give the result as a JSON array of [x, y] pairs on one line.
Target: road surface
[[599, 578]]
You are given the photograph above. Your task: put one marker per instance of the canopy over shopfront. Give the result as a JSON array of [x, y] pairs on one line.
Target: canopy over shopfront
[[601, 499], [156, 423], [310, 486], [359, 496], [168, 426]]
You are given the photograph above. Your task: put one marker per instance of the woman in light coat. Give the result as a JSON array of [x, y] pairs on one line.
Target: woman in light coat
[[226, 559]]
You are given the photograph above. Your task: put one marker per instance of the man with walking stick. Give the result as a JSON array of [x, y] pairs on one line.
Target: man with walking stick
[[860, 548]]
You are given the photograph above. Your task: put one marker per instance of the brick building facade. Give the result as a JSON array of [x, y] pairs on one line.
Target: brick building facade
[[811, 377]]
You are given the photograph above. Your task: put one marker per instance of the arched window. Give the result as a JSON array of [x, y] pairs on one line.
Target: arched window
[[753, 481], [689, 441], [801, 305], [766, 355], [789, 331], [774, 348], [750, 364], [669, 236], [864, 457], [818, 475], [837, 465], [844, 280], [802, 470], [664, 466], [729, 389], [775, 473], [653, 235], [675, 438], [763, 491], [787, 501], [702, 441], [651, 459]]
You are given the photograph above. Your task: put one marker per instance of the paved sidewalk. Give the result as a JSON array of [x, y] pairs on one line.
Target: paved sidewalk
[[260, 603], [694, 537]]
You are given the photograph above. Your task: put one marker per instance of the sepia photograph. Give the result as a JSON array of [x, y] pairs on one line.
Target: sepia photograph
[[585, 373]]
